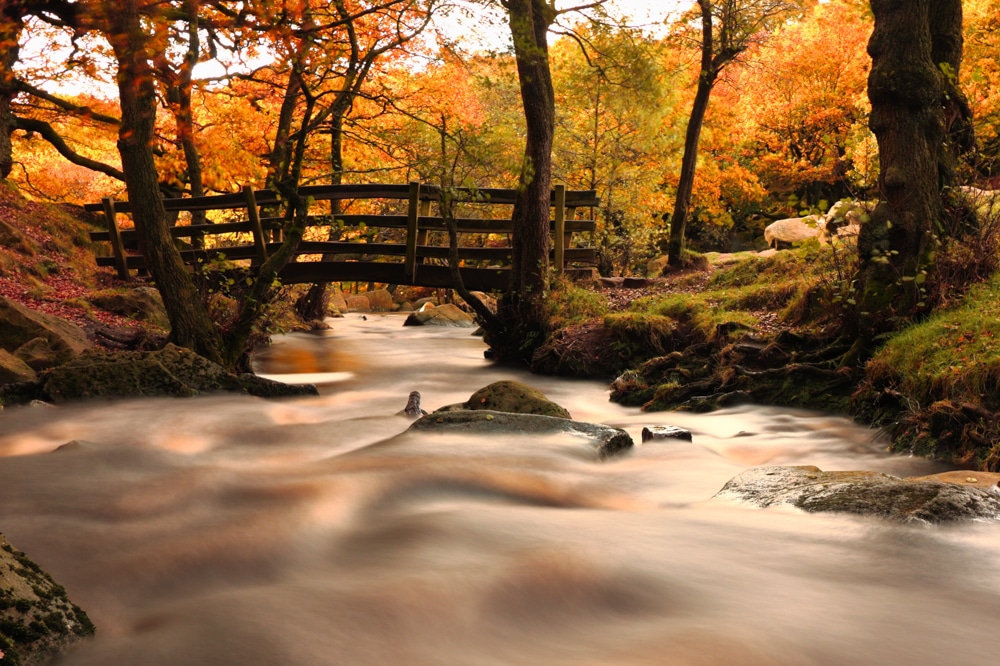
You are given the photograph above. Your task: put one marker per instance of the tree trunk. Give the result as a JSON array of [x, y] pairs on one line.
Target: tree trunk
[[908, 92], [189, 321], [11, 24], [522, 307], [689, 163]]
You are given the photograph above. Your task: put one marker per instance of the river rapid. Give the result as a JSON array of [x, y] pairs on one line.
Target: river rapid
[[307, 531]]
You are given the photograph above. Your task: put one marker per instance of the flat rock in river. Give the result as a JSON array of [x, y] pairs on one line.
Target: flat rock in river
[[608, 440], [936, 499]]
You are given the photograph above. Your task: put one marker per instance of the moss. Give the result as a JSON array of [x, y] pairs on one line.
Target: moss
[[569, 304], [954, 355], [636, 334]]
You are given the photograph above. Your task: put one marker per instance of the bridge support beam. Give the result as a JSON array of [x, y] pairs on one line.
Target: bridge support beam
[[412, 218], [117, 248], [560, 229]]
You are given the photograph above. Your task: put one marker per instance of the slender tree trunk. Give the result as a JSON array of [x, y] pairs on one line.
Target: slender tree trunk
[[709, 72], [522, 306], [189, 321], [689, 163], [908, 92], [185, 113]]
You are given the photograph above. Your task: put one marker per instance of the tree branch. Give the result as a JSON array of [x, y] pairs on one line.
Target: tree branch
[[84, 111], [49, 134]]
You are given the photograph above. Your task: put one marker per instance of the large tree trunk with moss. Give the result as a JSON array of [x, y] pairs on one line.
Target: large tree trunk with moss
[[190, 324], [916, 50], [522, 307]]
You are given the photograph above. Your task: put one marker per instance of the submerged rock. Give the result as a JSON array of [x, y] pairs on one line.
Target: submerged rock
[[37, 620], [665, 432], [609, 441], [442, 315], [413, 409], [935, 499]]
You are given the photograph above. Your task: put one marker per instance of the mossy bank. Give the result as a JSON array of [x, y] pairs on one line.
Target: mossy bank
[[776, 328]]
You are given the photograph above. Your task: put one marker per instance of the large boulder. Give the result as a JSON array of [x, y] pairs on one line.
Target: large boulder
[[37, 620], [935, 499], [607, 440], [514, 397], [38, 354], [380, 300], [442, 315], [486, 299], [792, 230], [358, 303], [142, 304], [338, 303], [172, 371], [20, 325], [13, 369]]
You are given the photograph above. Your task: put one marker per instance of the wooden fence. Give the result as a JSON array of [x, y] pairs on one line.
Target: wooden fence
[[376, 253]]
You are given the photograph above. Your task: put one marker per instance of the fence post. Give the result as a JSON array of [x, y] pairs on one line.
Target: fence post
[[117, 249], [412, 216], [560, 230], [425, 211], [253, 214]]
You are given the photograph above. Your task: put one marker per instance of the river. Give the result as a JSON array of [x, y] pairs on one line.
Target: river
[[232, 530]]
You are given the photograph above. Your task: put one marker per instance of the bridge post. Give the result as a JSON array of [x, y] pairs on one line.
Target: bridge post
[[253, 214], [412, 217], [560, 228], [117, 249]]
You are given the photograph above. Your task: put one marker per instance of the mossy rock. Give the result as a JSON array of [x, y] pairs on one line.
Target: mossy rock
[[607, 440], [38, 354], [169, 372], [19, 325], [142, 304], [13, 369], [37, 620], [515, 397], [918, 500]]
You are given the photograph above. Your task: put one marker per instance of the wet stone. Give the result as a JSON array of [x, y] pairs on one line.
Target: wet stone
[[665, 432]]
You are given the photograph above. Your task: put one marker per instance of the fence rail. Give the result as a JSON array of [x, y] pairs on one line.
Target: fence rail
[[399, 260]]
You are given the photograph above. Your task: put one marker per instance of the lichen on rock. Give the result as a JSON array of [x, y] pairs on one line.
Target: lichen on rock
[[37, 620]]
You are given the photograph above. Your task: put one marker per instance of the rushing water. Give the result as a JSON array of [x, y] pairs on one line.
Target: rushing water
[[309, 531]]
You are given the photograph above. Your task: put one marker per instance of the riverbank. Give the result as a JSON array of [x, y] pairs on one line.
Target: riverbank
[[772, 328]]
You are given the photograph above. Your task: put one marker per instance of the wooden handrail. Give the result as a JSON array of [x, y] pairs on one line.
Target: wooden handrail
[[413, 252]]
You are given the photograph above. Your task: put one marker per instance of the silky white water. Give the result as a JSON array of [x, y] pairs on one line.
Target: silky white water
[[228, 530]]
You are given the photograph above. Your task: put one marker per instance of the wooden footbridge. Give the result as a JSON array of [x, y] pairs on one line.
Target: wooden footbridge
[[401, 243]]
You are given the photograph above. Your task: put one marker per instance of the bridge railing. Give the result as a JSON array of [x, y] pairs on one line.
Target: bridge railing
[[403, 252]]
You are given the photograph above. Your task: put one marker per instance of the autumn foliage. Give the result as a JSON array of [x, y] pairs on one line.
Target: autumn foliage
[[786, 131]]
